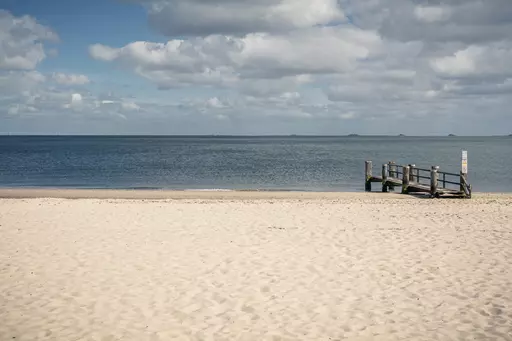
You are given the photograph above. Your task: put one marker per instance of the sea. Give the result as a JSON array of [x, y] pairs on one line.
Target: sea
[[216, 163]]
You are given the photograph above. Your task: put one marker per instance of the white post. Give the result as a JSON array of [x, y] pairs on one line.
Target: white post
[[464, 166]]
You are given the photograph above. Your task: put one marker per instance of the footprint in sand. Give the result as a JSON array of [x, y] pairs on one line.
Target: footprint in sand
[[265, 289]]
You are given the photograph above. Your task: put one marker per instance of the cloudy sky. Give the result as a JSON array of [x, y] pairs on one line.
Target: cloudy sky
[[422, 67]]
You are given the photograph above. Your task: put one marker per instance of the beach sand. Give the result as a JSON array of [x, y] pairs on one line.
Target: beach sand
[[254, 266]]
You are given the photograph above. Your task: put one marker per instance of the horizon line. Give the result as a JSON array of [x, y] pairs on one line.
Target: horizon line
[[240, 135]]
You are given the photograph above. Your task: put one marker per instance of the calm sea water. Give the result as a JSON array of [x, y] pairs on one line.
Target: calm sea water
[[272, 163]]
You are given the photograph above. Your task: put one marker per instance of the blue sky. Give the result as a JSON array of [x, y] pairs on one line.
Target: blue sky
[[80, 24], [254, 67]]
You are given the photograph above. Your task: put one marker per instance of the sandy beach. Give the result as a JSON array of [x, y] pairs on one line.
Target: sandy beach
[[106, 265]]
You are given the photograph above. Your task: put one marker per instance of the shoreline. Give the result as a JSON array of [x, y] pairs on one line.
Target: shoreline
[[142, 194]]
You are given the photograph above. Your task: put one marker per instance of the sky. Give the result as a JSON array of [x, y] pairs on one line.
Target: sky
[[256, 67]]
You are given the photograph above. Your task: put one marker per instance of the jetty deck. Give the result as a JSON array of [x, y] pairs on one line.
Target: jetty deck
[[411, 179]]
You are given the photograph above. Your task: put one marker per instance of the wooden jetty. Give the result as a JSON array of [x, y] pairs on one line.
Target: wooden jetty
[[412, 179]]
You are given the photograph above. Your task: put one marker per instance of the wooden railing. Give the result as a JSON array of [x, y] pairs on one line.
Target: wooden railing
[[414, 179]]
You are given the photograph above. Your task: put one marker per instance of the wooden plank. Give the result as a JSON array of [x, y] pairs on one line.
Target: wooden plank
[[393, 182], [449, 191], [417, 187]]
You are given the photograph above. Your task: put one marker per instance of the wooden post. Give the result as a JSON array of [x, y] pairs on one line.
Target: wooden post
[[464, 186], [392, 172], [411, 173], [405, 179], [385, 173], [434, 179], [392, 169], [368, 172]]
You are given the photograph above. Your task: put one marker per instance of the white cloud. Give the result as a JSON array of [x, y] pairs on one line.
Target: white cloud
[[441, 21], [63, 103], [130, 106], [462, 62], [13, 110], [206, 17], [227, 61], [432, 14], [17, 82], [25, 92], [76, 102], [347, 116], [394, 59], [264, 87], [214, 102], [102, 52], [70, 79], [76, 99], [282, 66], [476, 60], [21, 46]]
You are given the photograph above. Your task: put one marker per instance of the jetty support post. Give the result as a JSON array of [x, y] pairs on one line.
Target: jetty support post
[[385, 172], [405, 180], [434, 180], [368, 171], [392, 172], [392, 169], [411, 173], [464, 186]]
